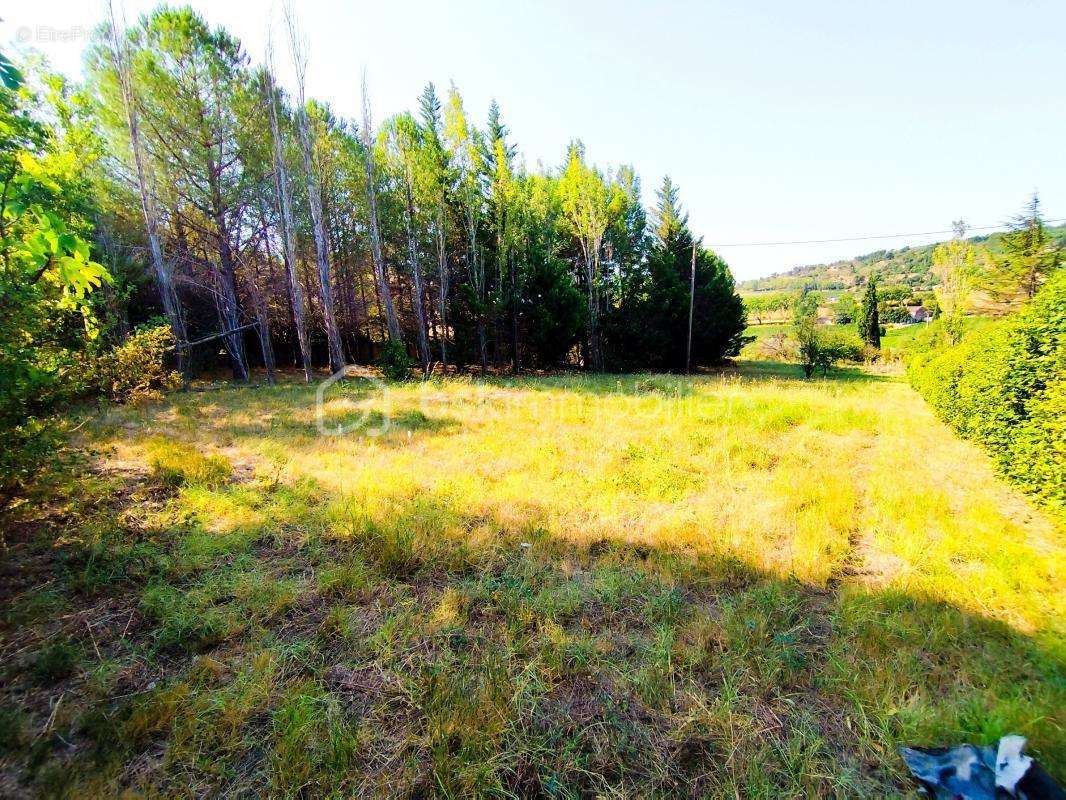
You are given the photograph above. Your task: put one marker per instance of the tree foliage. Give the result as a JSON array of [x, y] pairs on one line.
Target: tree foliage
[[649, 327], [429, 229], [868, 321], [1029, 255], [48, 277]]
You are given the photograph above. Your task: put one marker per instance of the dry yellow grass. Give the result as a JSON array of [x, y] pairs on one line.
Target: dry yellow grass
[[790, 577]]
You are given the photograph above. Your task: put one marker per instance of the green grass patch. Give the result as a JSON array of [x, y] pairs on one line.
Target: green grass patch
[[734, 585]]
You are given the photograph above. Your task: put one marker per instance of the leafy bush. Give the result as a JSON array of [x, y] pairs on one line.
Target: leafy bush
[[1004, 386], [47, 275], [136, 371], [394, 362], [895, 314], [818, 348], [835, 345]]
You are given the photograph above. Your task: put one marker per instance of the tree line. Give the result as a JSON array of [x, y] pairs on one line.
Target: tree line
[[286, 235]]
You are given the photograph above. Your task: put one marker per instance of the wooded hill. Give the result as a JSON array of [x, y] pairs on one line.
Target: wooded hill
[[908, 266]]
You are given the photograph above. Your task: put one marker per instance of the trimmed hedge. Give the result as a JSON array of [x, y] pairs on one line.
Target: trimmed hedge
[[1005, 387]]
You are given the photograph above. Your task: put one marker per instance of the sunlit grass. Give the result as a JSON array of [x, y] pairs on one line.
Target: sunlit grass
[[742, 584]]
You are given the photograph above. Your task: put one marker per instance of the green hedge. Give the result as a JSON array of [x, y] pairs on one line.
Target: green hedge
[[1005, 387]]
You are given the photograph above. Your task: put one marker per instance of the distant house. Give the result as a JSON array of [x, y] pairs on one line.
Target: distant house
[[919, 314]]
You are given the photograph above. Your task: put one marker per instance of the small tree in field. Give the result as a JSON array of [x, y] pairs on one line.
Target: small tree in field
[[956, 264], [869, 323], [832, 346], [805, 330], [845, 311]]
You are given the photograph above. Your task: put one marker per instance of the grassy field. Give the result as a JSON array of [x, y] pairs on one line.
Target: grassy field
[[896, 341], [739, 585]]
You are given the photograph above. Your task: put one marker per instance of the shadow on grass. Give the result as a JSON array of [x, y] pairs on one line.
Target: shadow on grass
[[417, 648]]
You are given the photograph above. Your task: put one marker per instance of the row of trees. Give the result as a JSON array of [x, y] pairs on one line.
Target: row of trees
[[287, 235]]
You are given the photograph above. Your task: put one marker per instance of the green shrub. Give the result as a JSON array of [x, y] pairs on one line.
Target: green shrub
[[394, 362], [1004, 385], [136, 371], [28, 448], [837, 344], [819, 348]]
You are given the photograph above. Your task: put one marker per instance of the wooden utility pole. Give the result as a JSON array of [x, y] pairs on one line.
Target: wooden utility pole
[[691, 304]]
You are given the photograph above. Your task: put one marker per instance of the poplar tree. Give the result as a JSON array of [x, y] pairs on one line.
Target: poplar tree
[[283, 199], [589, 207]]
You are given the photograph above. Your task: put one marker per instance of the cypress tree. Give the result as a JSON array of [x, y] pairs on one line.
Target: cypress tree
[[669, 220], [649, 329], [869, 324]]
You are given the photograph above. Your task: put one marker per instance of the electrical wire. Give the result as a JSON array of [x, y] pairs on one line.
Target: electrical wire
[[868, 238]]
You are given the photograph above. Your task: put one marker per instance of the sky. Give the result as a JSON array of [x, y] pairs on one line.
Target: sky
[[779, 121]]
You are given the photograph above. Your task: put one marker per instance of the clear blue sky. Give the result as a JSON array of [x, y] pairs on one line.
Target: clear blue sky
[[778, 120]]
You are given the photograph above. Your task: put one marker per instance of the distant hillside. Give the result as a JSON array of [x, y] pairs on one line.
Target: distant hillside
[[908, 266]]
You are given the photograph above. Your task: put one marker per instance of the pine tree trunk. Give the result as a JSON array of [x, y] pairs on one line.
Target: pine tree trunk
[[262, 316], [416, 276], [375, 233], [168, 294], [288, 236], [229, 310], [442, 257], [329, 319]]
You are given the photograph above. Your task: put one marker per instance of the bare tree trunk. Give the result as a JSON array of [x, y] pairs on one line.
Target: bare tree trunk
[[375, 234], [229, 311], [164, 280], [416, 275], [516, 358], [329, 319], [227, 284], [288, 235], [262, 320], [591, 272], [477, 280], [442, 257]]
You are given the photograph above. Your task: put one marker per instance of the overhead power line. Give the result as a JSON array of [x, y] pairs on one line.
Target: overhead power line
[[868, 238]]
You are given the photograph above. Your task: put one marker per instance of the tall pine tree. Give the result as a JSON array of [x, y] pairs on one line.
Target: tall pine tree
[[650, 328]]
